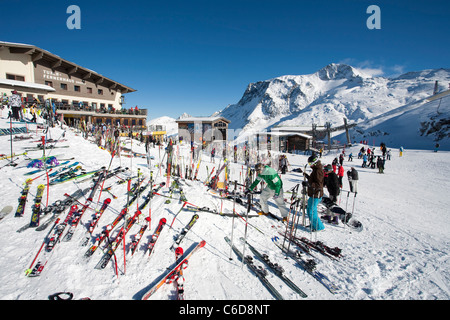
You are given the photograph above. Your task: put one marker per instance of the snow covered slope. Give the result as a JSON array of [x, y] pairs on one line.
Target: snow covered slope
[[335, 92], [416, 126], [402, 253]]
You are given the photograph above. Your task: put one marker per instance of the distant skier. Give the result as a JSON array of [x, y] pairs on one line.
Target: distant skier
[[273, 190], [401, 151], [436, 147], [364, 164], [380, 165], [315, 192], [213, 153]]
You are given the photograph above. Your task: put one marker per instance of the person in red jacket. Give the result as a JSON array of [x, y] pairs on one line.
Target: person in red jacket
[[340, 175]]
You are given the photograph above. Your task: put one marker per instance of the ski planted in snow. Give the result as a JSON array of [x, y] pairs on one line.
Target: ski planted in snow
[[215, 179], [117, 241], [105, 233], [95, 219]]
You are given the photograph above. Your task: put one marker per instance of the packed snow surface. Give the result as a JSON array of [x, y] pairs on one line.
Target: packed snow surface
[[401, 253]]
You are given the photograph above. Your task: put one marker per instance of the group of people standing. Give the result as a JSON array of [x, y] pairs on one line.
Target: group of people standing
[[370, 160], [315, 182]]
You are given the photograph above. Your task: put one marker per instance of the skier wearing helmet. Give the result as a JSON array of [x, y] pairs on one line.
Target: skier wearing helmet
[[273, 190], [315, 192]]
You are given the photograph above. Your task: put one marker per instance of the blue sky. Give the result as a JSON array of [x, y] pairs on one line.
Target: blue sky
[[199, 56]]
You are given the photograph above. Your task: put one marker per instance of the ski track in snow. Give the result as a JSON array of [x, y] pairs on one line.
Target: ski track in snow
[[402, 252]]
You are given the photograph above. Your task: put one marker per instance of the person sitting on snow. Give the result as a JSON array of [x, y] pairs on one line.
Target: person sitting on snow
[[333, 187], [273, 190]]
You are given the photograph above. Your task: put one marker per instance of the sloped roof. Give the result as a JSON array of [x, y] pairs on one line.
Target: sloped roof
[[38, 54]]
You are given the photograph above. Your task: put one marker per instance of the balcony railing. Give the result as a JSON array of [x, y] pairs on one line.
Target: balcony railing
[[123, 111]]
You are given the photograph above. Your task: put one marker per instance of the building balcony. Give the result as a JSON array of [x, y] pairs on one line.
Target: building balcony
[[101, 112]]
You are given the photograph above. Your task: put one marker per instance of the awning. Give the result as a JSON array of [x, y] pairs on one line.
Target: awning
[[29, 85]]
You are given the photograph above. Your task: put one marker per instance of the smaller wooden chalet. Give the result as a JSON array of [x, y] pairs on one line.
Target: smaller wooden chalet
[[201, 129]]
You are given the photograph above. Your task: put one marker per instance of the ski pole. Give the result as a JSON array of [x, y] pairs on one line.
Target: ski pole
[[232, 223], [249, 205]]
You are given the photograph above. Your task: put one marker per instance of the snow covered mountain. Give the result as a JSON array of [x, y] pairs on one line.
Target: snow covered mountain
[[419, 125], [167, 122], [334, 92]]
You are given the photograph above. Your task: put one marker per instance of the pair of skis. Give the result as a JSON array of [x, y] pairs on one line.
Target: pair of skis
[[308, 265], [50, 241], [174, 272]]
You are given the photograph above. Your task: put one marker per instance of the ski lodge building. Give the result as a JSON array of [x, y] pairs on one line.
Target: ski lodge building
[[77, 92], [199, 128]]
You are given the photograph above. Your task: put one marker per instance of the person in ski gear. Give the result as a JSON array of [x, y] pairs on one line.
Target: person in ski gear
[[274, 189], [283, 164], [340, 175], [213, 153], [352, 175], [436, 147], [315, 192], [15, 104], [380, 165], [364, 164], [401, 151], [334, 164], [332, 183]]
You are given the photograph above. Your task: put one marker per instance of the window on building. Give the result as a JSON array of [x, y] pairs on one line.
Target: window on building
[[89, 90], [77, 88], [94, 105], [64, 86], [49, 83], [15, 77], [100, 91]]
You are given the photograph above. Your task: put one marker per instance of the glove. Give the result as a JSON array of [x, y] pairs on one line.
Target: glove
[[305, 183]]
